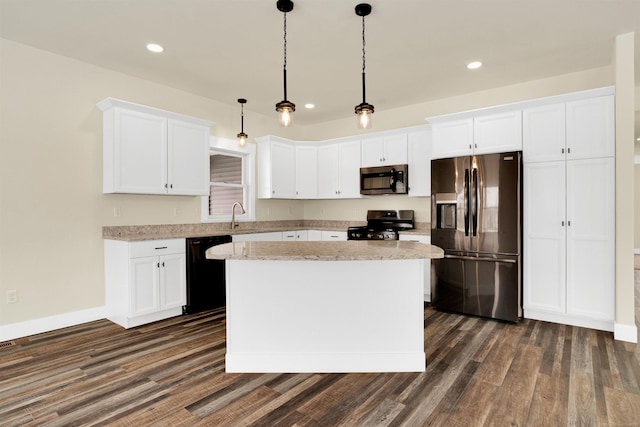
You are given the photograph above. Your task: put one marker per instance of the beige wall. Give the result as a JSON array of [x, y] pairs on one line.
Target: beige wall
[[636, 204], [625, 147], [51, 205], [637, 173]]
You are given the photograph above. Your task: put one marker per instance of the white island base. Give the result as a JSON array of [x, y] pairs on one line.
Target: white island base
[[325, 316]]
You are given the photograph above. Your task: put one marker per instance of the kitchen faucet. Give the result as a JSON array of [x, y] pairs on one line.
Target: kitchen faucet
[[233, 214]]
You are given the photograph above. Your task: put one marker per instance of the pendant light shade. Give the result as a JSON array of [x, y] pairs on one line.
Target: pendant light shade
[[363, 110], [285, 108], [242, 137]]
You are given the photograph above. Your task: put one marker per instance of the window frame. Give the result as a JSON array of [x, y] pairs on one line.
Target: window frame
[[248, 154]]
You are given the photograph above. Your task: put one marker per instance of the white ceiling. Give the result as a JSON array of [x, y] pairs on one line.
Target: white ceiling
[[416, 49]]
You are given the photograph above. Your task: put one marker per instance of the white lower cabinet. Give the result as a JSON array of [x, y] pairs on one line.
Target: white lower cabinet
[[273, 236], [426, 263], [569, 242], [314, 235], [334, 235], [145, 281], [295, 236]]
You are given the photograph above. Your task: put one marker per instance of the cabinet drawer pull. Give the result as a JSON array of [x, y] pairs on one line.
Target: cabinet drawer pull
[[161, 247]]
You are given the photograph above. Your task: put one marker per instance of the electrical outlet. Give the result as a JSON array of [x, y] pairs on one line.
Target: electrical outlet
[[12, 296], [117, 212], [176, 211]]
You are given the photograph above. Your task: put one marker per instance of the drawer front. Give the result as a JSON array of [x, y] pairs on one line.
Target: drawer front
[[156, 247]]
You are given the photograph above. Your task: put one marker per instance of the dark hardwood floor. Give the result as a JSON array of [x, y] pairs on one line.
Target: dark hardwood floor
[[171, 373]]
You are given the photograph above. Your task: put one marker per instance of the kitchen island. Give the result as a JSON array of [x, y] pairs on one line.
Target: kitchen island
[[350, 306]]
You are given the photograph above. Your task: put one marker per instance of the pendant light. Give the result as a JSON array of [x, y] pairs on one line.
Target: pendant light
[[242, 137], [363, 110], [285, 108]]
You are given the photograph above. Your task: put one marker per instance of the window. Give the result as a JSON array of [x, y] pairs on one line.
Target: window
[[231, 180]]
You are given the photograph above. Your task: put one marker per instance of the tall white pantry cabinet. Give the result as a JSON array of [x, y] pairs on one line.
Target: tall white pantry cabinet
[[569, 212]]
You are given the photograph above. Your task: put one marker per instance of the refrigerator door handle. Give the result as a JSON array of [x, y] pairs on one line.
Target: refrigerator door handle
[[472, 258], [466, 202], [474, 208]]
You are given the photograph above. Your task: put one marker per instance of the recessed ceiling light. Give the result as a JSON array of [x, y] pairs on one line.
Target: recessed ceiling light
[[474, 65], [156, 48], [309, 106]]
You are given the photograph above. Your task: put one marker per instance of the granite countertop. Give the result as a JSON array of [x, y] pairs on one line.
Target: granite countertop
[[133, 233], [350, 250]]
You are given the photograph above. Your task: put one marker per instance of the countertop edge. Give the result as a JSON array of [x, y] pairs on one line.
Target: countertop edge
[[132, 233], [352, 250]]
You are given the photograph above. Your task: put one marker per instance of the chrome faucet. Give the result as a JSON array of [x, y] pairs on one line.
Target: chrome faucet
[[233, 214]]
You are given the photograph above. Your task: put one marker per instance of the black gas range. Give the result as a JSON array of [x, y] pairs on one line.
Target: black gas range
[[382, 225]]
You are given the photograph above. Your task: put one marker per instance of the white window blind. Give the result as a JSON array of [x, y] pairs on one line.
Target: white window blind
[[226, 184]]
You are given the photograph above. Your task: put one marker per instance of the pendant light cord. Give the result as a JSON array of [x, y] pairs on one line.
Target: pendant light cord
[[363, 63], [284, 66], [363, 45]]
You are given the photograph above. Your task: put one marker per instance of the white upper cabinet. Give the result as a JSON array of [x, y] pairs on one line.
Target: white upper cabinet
[[543, 133], [419, 144], [452, 139], [384, 150], [188, 149], [306, 171], [329, 171], [591, 128], [580, 129], [497, 133], [151, 151], [339, 170], [276, 169], [350, 169], [487, 133]]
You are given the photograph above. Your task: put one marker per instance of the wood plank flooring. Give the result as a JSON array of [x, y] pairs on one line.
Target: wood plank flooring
[[171, 373]]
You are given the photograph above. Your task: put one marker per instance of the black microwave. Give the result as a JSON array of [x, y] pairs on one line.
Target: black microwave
[[384, 180]]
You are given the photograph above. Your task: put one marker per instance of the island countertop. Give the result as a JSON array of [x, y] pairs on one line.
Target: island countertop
[[325, 251]]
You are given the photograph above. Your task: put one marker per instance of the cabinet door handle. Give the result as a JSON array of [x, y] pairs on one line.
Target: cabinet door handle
[[563, 151], [568, 223], [569, 150], [163, 263], [158, 265], [563, 223]]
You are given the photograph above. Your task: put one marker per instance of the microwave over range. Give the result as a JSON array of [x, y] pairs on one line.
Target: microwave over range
[[384, 180]]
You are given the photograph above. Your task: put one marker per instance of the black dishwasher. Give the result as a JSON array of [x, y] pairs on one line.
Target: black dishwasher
[[205, 277]]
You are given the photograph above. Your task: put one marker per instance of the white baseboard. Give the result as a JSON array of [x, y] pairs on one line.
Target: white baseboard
[[325, 362], [566, 319], [51, 323], [628, 333]]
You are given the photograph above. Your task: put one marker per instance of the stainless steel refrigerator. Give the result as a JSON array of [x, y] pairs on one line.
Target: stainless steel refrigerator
[[476, 217]]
